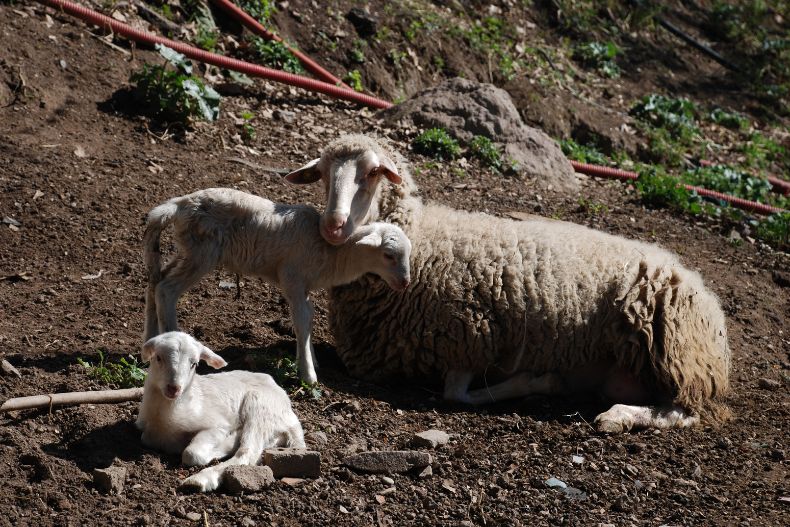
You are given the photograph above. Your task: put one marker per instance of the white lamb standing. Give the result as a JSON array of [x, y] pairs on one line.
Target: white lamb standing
[[207, 417], [250, 235], [523, 307]]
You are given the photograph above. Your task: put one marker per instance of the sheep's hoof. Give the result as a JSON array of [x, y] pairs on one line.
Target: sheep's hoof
[[610, 427], [191, 458], [200, 482]]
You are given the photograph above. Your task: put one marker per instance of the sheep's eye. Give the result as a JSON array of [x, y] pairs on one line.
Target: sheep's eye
[[194, 365], [373, 173], [158, 358]]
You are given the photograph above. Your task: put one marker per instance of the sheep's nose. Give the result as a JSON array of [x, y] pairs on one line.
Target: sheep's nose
[[405, 283], [171, 390], [333, 228]]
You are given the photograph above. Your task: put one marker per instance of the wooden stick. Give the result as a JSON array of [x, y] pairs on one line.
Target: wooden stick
[[97, 397]]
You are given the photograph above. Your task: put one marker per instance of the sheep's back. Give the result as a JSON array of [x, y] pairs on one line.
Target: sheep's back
[[483, 289]]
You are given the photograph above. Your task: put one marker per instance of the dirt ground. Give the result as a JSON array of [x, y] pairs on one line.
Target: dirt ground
[[79, 170]]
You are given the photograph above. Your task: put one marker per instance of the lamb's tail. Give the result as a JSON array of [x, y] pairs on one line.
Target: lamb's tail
[[159, 217], [680, 324], [261, 428]]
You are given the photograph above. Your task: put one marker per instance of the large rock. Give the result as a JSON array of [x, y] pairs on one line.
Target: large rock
[[293, 462], [387, 461], [247, 478], [465, 109], [430, 439]]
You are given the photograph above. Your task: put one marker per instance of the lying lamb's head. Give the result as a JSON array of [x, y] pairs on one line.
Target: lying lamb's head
[[174, 357], [389, 257], [350, 168]]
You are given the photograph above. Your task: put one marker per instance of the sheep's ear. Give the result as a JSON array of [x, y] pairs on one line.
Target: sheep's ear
[[390, 172], [307, 174], [370, 240], [148, 351], [211, 358]]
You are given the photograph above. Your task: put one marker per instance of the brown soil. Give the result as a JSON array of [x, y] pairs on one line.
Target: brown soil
[[79, 170]]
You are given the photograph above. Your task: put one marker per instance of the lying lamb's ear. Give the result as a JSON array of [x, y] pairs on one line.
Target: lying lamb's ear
[[370, 240], [211, 358], [307, 174], [148, 351], [388, 167]]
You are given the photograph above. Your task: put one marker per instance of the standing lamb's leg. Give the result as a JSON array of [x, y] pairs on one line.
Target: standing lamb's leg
[[151, 321], [208, 445], [178, 278], [302, 319], [260, 427], [520, 385], [622, 418]]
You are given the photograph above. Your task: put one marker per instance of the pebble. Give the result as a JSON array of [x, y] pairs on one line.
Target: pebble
[[430, 439], [317, 438], [631, 470], [248, 522], [426, 472], [387, 461], [388, 480], [577, 460], [109, 480], [8, 369], [293, 462], [768, 384], [194, 516], [247, 478]]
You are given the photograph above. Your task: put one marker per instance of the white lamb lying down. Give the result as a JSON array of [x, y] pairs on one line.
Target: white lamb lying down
[[280, 243], [207, 417]]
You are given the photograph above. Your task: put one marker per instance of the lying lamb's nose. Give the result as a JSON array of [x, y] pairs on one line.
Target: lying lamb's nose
[[171, 390]]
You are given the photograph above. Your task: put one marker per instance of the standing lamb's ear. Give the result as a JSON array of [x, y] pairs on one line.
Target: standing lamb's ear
[[388, 167], [307, 174], [148, 351], [370, 240], [211, 358]]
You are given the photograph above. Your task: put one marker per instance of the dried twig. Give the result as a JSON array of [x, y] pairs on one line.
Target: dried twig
[[70, 398]]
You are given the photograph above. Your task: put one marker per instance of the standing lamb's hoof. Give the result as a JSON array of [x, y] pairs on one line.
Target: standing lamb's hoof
[[309, 377]]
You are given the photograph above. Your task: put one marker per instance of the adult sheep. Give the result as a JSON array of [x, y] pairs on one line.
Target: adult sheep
[[536, 306]]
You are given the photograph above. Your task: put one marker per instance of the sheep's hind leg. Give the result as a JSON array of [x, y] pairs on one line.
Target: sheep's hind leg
[[622, 418], [178, 278], [260, 428], [519, 385], [302, 318], [208, 445]]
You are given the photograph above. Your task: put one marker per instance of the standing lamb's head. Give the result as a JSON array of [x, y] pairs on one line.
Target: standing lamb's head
[[351, 168], [174, 357], [390, 250]]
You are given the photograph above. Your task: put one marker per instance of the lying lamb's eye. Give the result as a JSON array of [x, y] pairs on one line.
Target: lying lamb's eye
[[194, 365]]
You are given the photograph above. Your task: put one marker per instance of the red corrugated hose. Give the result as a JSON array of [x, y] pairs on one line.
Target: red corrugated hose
[[254, 70], [257, 28], [754, 206], [332, 90]]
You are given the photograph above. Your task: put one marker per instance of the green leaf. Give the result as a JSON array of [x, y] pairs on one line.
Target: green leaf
[[175, 58]]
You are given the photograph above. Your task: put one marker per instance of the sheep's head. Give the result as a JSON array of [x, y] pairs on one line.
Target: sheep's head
[[390, 253], [174, 357], [351, 169]]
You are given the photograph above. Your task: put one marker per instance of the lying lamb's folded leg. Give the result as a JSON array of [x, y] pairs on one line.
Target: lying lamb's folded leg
[[622, 418], [520, 385]]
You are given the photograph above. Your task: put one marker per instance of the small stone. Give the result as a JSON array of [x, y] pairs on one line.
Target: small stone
[[109, 480], [194, 516], [248, 522], [388, 480], [426, 472], [768, 384], [387, 461], [554, 482], [577, 460], [293, 462], [317, 438], [293, 482], [285, 116], [380, 499], [430, 439], [363, 22], [631, 470], [247, 478], [8, 369]]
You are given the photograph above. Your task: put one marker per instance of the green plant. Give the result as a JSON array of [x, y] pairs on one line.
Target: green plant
[[775, 229], [760, 151], [598, 55], [247, 130], [733, 120], [582, 153], [677, 116], [658, 189], [275, 55], [175, 95], [730, 181], [122, 374], [486, 151], [436, 142], [354, 79], [285, 372], [206, 38], [589, 206], [262, 10]]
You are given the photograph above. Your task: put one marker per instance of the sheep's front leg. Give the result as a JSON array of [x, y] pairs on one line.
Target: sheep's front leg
[[208, 445], [623, 417], [302, 319]]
